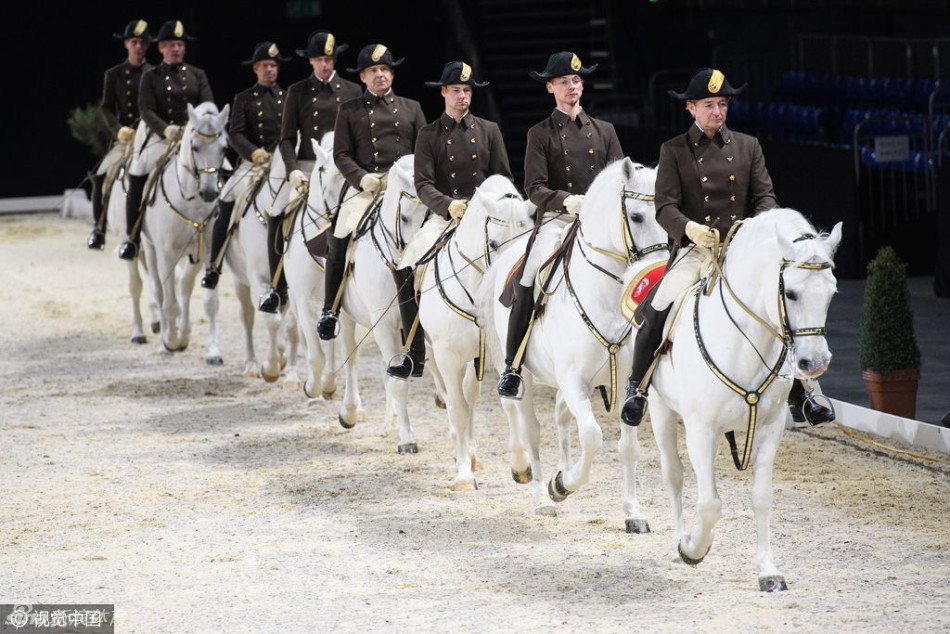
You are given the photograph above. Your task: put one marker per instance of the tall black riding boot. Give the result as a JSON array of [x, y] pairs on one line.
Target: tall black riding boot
[[335, 267], [133, 204], [805, 408], [519, 320], [97, 239], [219, 233], [414, 362], [276, 296], [648, 340]]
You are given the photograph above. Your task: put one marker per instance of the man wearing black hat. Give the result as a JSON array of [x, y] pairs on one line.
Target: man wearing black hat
[[453, 155], [372, 132], [253, 132], [309, 113], [706, 179], [120, 111], [564, 154], [164, 95]]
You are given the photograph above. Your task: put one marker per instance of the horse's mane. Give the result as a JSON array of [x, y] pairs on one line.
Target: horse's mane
[[765, 227]]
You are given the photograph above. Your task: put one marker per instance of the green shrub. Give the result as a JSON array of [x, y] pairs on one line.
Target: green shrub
[[87, 127], [886, 337]]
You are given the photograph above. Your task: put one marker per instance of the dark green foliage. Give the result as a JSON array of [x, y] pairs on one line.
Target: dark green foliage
[[87, 127], [886, 339]]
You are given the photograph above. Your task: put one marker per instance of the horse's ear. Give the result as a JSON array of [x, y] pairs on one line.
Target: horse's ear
[[834, 238], [225, 112], [192, 113], [316, 147], [628, 168]]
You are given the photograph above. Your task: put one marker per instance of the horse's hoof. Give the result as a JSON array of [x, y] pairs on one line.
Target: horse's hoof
[[439, 402], [269, 378], [139, 339], [156, 327], [556, 489], [409, 447], [689, 560], [345, 424], [328, 394], [773, 583], [464, 485], [637, 527], [546, 510], [214, 361], [524, 477]]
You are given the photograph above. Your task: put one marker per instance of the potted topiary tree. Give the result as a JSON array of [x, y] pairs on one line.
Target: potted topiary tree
[[889, 356]]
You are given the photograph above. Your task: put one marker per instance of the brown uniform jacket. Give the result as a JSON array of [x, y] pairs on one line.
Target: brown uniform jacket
[[718, 178], [120, 95], [564, 156], [255, 119], [452, 159], [166, 91], [373, 132], [311, 109]]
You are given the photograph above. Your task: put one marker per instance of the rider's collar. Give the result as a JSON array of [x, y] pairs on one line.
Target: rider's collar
[[561, 118], [371, 99], [697, 136], [468, 121]]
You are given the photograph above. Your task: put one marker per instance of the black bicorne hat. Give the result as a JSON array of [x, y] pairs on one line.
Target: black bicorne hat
[[265, 51], [560, 64], [707, 82], [321, 43], [135, 28], [373, 54], [457, 73], [172, 30]]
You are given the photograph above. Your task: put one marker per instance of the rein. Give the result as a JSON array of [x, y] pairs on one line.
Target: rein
[[393, 238]]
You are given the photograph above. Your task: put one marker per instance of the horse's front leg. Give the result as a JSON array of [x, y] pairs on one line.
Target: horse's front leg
[[135, 293], [397, 391], [664, 423], [700, 444], [351, 409], [563, 419], [524, 443], [162, 273], [590, 438], [771, 578], [288, 333], [629, 449], [273, 362], [459, 412]]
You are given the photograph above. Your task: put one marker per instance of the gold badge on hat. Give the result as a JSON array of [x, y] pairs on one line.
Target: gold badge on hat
[[575, 62], [179, 28], [330, 45], [273, 51], [466, 72], [715, 81], [140, 27], [378, 52]]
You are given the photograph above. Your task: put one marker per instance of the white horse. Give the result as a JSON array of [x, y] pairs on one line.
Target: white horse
[[175, 226], [304, 271], [496, 216], [116, 230], [582, 341], [248, 260], [369, 298], [731, 366]]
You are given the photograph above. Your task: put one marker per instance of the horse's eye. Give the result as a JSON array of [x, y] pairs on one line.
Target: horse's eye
[[791, 296], [636, 217], [492, 244]]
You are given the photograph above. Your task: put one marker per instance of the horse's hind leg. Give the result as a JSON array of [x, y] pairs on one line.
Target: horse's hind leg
[[563, 419], [700, 443], [247, 310], [771, 578], [629, 448], [664, 424]]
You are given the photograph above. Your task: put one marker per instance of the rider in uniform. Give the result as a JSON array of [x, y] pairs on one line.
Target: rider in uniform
[[120, 111], [706, 179], [164, 95], [253, 132], [454, 154], [565, 153], [372, 132], [309, 113]]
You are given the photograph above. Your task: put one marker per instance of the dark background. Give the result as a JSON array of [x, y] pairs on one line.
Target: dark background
[[56, 57]]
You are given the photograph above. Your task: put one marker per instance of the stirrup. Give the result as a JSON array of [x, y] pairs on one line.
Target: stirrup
[[211, 277], [509, 385], [634, 406], [271, 301], [814, 412], [409, 366], [327, 327], [97, 240]]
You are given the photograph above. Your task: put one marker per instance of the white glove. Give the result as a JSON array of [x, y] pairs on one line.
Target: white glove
[[125, 133], [700, 234], [457, 209], [260, 155], [371, 183], [572, 204], [172, 132], [298, 181]]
